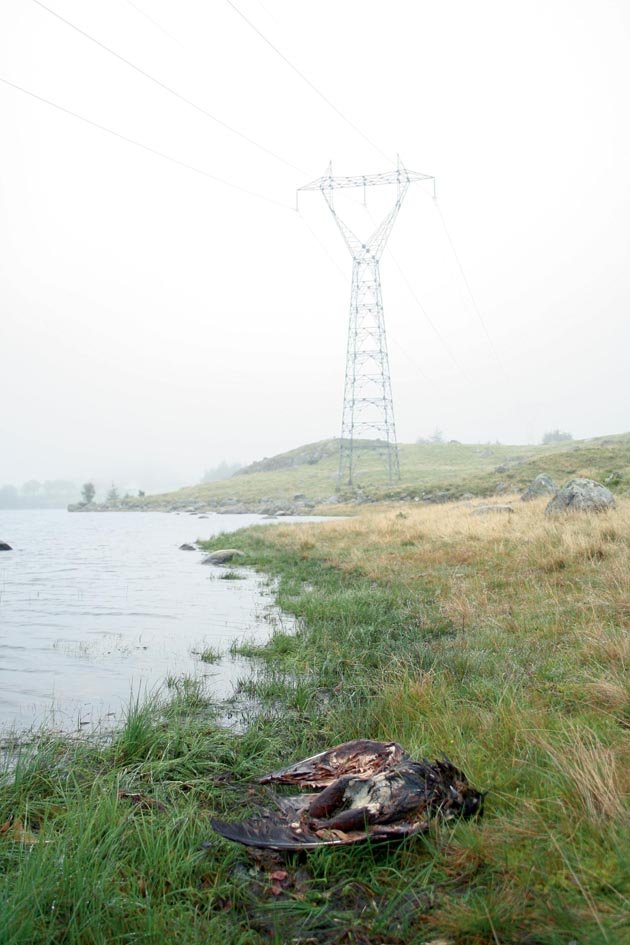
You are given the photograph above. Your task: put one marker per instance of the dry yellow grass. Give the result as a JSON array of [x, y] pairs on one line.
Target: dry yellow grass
[[501, 640], [538, 595], [494, 565], [593, 772]]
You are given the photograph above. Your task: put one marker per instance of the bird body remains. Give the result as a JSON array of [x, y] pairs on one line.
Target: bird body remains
[[369, 790]]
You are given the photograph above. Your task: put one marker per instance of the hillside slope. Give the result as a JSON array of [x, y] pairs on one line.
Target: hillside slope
[[306, 477]]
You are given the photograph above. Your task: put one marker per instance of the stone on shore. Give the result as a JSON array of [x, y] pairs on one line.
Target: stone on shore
[[582, 495], [5, 546], [491, 509], [222, 556], [541, 485]]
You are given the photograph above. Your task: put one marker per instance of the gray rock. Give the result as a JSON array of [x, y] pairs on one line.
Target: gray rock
[[187, 547], [541, 485], [490, 509], [582, 495], [5, 546], [501, 487], [222, 556], [436, 498], [614, 476]]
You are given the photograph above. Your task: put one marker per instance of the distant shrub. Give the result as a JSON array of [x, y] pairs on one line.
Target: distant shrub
[[436, 437], [222, 471], [88, 492], [556, 436]]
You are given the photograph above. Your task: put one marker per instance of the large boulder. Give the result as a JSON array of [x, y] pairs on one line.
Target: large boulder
[[5, 546], [541, 485], [582, 495], [222, 556]]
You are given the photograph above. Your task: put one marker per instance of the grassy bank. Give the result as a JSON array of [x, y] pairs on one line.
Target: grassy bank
[[427, 468], [500, 640]]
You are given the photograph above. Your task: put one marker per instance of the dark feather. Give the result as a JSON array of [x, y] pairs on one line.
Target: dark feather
[[357, 757], [372, 790]]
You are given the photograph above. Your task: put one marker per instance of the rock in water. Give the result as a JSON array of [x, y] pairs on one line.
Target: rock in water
[[187, 547], [582, 495], [222, 556], [541, 485], [5, 546]]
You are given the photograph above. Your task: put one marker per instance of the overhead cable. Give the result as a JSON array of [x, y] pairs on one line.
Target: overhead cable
[[167, 88], [438, 333], [307, 80], [414, 296], [343, 276], [157, 25], [145, 147], [467, 284]]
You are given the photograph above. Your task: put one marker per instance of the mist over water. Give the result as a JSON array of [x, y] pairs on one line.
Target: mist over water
[[94, 608]]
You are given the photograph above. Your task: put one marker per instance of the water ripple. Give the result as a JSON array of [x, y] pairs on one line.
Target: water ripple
[[92, 606]]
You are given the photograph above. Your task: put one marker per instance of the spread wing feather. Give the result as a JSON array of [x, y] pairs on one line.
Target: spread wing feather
[[359, 757]]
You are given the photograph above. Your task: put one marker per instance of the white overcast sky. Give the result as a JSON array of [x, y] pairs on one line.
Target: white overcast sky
[[154, 321]]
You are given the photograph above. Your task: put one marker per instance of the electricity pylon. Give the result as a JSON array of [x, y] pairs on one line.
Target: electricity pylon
[[368, 409]]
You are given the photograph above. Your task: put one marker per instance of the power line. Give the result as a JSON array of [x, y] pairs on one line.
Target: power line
[[167, 88], [414, 296], [436, 330], [305, 78], [467, 284], [322, 246], [343, 276], [155, 23], [145, 147]]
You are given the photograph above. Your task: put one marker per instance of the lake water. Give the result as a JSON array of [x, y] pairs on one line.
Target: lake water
[[95, 607]]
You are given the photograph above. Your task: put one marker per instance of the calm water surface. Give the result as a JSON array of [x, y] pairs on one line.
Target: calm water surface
[[95, 607]]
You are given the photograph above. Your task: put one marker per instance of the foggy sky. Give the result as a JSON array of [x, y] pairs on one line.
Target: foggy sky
[[154, 322]]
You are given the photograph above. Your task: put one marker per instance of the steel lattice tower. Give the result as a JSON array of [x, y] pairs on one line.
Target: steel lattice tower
[[368, 409]]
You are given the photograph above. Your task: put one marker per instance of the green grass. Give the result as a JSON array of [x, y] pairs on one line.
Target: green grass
[[210, 654], [500, 642], [453, 468]]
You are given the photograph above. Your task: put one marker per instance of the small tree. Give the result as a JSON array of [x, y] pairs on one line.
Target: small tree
[[112, 495], [88, 492], [556, 436], [437, 436]]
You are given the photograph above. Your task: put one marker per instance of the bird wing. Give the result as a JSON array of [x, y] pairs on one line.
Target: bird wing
[[266, 831], [360, 757]]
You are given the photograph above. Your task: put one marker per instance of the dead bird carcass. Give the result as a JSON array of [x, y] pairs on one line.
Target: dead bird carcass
[[369, 790]]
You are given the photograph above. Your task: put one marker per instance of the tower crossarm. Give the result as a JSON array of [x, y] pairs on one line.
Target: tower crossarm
[[328, 182], [368, 409], [374, 246]]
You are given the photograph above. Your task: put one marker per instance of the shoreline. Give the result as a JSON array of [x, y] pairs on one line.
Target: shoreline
[[483, 638]]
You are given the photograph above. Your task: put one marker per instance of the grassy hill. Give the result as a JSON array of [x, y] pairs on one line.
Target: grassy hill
[[308, 475]]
